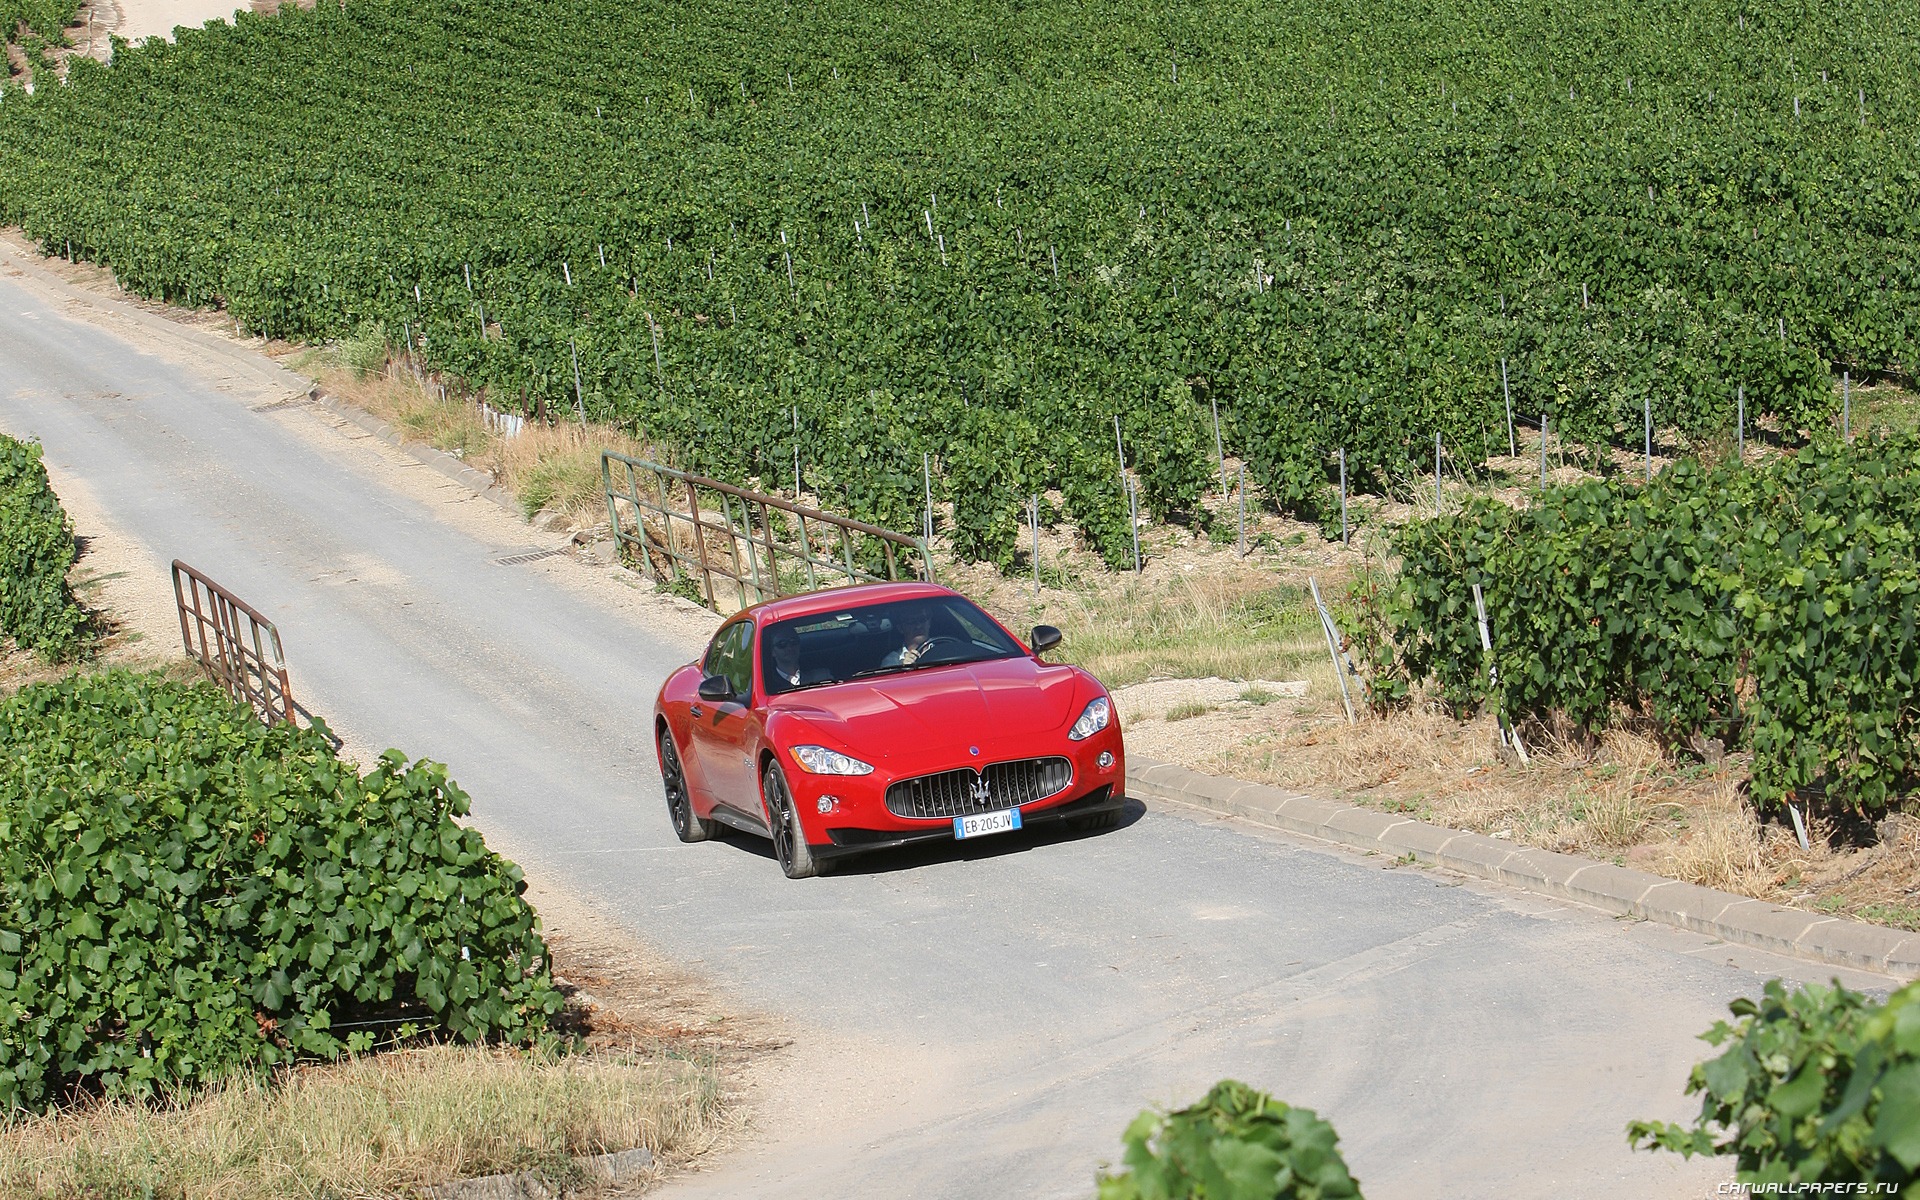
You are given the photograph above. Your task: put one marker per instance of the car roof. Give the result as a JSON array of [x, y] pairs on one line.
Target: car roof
[[810, 604]]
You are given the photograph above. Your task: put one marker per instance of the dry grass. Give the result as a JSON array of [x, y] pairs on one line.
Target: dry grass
[[1242, 625], [1885, 405], [1443, 771], [1622, 800], [371, 1127], [554, 471], [1717, 844]]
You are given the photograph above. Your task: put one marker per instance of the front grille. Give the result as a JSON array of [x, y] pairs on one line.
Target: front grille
[[953, 793]]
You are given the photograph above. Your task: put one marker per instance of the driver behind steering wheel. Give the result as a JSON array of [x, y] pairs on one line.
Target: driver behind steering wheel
[[915, 626]]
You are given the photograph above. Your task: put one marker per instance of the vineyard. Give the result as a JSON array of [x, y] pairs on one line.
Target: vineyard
[[981, 234], [44, 19], [1774, 609]]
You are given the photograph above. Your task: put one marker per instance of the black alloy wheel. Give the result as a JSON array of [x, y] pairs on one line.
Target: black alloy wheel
[[673, 777], [789, 840]]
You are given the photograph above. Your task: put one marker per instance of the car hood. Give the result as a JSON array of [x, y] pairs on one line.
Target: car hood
[[918, 712]]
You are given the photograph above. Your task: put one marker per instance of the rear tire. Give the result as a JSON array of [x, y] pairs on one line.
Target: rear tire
[[688, 824], [789, 839]]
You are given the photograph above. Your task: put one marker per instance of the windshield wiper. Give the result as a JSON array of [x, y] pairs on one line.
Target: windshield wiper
[[895, 669], [916, 665]]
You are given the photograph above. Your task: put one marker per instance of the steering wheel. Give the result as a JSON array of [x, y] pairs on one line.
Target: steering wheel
[[927, 646]]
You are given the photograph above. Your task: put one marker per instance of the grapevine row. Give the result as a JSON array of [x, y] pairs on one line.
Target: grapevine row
[[1774, 608], [981, 236]]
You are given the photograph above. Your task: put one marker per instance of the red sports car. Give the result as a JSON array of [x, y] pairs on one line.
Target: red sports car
[[869, 717]]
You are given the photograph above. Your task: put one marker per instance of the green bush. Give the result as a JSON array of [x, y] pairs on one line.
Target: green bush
[[37, 609], [1236, 1144], [1775, 607], [1817, 1086], [185, 893]]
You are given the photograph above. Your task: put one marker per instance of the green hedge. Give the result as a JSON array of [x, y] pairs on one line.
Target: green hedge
[[1236, 1144], [37, 610], [1772, 607], [1817, 1086], [185, 893]]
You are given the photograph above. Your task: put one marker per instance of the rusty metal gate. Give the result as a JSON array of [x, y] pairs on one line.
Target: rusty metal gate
[[237, 647], [738, 547]]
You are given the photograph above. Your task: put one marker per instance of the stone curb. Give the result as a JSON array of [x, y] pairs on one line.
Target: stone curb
[[446, 464], [1600, 885], [601, 1170]]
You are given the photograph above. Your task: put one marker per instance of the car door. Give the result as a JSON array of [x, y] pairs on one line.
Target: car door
[[723, 729]]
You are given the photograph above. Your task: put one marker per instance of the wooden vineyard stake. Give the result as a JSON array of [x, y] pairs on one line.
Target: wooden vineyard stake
[[1133, 524], [1436, 475], [579, 397], [1513, 448], [1335, 646], [926, 481], [1219, 453], [1343, 495], [1243, 511], [1033, 520], [1509, 736], [1543, 450]]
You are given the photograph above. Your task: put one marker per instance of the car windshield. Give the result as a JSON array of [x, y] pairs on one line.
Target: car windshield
[[879, 639]]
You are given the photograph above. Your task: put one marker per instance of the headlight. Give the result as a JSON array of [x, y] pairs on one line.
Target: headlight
[[1092, 720], [822, 761]]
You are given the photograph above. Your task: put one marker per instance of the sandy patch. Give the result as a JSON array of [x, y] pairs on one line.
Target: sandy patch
[[139, 19], [116, 575], [1153, 700]]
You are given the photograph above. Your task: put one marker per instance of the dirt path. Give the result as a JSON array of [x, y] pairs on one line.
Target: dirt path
[[137, 19]]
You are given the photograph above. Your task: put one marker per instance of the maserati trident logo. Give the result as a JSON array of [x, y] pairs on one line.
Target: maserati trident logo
[[981, 794]]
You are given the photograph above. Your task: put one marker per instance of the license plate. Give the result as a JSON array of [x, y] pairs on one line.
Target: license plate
[[981, 824]]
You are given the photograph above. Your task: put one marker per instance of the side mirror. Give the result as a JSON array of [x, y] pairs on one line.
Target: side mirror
[[1045, 637], [715, 688]]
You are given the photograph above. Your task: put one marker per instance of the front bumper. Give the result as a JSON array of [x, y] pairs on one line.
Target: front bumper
[[859, 819], [1105, 798]]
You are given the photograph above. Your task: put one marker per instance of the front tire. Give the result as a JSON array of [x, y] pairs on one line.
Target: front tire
[[688, 824], [789, 839]]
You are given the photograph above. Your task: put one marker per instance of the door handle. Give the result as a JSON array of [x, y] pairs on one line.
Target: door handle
[[694, 710]]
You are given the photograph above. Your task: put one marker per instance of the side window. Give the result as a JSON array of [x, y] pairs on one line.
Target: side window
[[728, 656], [715, 663]]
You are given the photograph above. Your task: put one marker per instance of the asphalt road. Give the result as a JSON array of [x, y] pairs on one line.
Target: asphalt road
[[971, 1024]]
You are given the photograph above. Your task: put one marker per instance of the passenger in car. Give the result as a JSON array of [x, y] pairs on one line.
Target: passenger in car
[[787, 669]]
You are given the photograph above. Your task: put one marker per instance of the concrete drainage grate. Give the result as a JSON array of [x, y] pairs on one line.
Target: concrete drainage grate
[[530, 555]]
